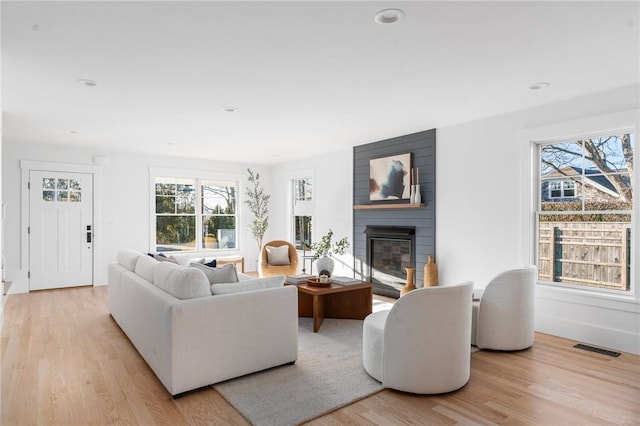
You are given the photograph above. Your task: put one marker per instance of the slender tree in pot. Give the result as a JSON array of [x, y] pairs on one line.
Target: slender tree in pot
[[258, 203], [323, 250]]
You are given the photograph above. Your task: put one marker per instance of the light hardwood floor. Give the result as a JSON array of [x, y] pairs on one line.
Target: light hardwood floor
[[66, 362]]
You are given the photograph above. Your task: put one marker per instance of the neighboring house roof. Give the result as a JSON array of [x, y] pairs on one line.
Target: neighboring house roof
[[595, 177]]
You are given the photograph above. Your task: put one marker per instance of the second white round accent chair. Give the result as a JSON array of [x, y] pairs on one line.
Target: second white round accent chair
[[423, 344]]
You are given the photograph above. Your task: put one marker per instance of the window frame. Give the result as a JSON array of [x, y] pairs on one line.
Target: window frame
[[199, 177], [536, 210]]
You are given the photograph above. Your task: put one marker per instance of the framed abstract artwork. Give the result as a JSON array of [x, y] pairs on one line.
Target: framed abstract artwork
[[389, 177]]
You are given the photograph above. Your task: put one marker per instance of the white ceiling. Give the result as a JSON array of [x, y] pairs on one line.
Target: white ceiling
[[305, 77]]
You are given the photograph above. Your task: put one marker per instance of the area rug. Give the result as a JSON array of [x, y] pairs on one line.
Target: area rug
[[327, 375]]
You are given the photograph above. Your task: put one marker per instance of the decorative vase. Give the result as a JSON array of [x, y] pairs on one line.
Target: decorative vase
[[412, 194], [430, 273], [325, 266], [417, 199], [409, 286]]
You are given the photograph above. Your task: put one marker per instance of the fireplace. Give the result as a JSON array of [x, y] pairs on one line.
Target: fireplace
[[390, 249]]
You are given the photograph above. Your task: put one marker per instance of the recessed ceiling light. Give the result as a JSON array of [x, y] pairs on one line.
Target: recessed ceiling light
[[87, 82], [389, 16], [229, 109], [538, 86]]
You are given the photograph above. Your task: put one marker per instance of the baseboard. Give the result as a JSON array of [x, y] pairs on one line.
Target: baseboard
[[589, 333]]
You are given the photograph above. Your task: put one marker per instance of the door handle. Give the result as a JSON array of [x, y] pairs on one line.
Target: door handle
[[88, 237]]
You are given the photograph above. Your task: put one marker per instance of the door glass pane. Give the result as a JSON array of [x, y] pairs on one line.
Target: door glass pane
[[75, 196], [63, 184], [63, 195], [48, 183], [75, 184], [48, 195]]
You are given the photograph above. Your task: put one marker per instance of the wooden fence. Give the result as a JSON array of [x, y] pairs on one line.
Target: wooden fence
[[595, 254]]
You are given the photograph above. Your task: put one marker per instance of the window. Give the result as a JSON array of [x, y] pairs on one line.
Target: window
[[584, 212], [180, 228], [562, 189], [302, 212]]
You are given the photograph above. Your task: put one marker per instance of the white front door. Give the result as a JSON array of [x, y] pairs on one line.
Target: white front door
[[60, 229]]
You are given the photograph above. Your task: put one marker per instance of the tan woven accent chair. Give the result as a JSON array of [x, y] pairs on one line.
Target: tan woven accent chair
[[266, 270]]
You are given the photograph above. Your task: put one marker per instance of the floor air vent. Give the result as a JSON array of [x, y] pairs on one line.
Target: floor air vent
[[598, 350]]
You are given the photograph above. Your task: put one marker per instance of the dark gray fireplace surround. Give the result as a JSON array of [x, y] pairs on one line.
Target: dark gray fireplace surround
[[395, 226], [390, 250]]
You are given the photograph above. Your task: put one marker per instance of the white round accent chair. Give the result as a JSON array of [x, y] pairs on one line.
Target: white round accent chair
[[423, 344], [503, 317]]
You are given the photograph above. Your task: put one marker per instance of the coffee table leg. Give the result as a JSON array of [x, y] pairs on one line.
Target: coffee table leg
[[318, 312]]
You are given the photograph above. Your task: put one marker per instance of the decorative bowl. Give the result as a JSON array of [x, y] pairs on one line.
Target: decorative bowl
[[315, 282]]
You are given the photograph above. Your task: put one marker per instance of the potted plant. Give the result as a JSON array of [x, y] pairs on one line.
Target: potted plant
[[258, 203], [324, 249]]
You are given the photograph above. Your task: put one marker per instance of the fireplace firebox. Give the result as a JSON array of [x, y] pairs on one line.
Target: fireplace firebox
[[390, 249]]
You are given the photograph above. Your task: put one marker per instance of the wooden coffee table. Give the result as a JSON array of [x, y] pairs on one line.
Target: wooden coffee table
[[354, 301]]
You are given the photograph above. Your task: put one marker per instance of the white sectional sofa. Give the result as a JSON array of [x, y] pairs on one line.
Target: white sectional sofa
[[192, 338]]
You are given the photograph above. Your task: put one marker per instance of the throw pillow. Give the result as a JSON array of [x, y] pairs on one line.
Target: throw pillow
[[211, 264], [278, 256], [249, 285], [224, 274]]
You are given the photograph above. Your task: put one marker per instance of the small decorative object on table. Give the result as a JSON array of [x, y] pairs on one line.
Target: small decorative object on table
[[409, 286], [323, 250], [430, 273]]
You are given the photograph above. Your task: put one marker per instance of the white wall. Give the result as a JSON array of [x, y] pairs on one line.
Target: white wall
[[484, 214], [333, 194], [123, 203], [2, 300]]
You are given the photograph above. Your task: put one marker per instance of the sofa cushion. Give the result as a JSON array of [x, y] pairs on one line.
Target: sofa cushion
[[278, 256], [145, 266], [180, 281], [129, 258], [224, 274], [248, 285]]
